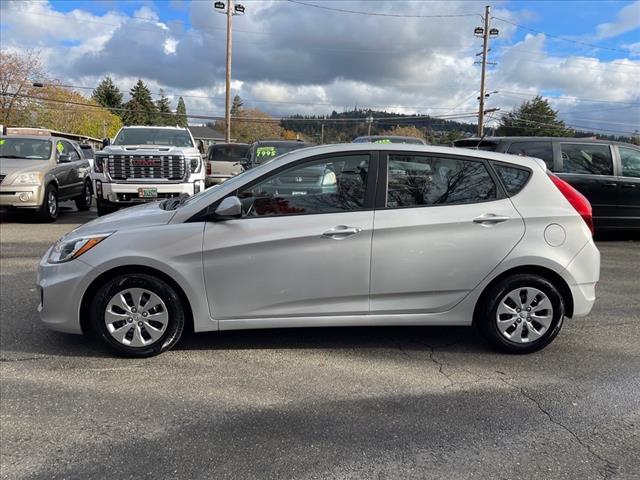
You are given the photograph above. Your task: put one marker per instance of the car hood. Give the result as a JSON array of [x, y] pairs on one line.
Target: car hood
[[13, 165], [140, 216]]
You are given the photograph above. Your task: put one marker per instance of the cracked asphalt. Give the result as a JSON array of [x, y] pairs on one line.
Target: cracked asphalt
[[352, 403]]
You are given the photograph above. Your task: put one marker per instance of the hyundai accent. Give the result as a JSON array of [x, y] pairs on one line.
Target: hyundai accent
[[397, 235]]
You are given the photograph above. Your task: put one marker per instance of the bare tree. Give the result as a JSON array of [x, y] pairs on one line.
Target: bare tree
[[17, 73]]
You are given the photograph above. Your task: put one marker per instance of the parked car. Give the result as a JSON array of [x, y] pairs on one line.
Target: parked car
[[224, 160], [144, 164], [266, 150], [607, 173], [38, 172], [390, 139], [460, 237]]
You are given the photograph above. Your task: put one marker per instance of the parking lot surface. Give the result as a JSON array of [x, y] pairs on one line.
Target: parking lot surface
[[384, 403]]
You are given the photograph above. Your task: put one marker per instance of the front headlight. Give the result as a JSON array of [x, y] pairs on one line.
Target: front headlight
[[68, 249], [28, 178], [329, 178], [194, 164]]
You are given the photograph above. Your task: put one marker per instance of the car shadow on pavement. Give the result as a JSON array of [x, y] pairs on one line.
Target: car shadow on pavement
[[68, 215]]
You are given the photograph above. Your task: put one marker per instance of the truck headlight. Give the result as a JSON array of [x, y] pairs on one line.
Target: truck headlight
[[98, 163], [68, 249], [28, 178], [194, 164]]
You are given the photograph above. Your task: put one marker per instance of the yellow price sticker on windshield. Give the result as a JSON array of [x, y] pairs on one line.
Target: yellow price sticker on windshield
[[60, 147], [383, 140], [266, 151], [1, 141]]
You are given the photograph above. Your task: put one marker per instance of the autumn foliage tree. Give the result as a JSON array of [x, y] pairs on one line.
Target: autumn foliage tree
[[252, 124], [405, 131], [16, 86]]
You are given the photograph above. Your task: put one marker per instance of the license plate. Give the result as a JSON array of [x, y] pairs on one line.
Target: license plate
[[147, 192]]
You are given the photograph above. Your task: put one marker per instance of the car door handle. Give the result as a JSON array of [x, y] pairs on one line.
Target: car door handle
[[610, 185], [490, 219], [629, 185], [340, 232]]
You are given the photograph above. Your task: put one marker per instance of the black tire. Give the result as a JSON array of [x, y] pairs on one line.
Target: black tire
[[487, 314], [154, 285], [104, 208], [83, 202], [48, 212]]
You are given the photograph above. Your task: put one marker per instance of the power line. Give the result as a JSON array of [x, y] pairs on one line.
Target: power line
[[377, 14], [534, 94], [601, 63], [558, 37]]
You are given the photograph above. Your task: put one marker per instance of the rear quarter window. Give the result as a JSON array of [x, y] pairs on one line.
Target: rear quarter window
[[542, 150], [513, 178]]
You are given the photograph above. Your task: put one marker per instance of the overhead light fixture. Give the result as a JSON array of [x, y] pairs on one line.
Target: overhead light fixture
[[494, 32], [239, 8], [478, 30], [219, 5]]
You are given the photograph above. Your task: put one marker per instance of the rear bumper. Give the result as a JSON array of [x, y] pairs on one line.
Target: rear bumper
[[584, 271], [21, 196], [216, 179]]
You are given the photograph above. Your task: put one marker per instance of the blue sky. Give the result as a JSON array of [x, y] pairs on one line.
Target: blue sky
[[293, 58]]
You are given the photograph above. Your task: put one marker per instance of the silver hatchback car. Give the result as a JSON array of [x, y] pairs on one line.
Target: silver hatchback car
[[397, 235]]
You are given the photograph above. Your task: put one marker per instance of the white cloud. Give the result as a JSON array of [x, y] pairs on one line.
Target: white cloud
[[628, 20]]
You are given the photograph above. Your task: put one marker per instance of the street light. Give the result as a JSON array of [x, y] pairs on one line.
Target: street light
[[229, 10]]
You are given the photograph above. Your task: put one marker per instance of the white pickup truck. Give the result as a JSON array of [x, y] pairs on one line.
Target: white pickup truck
[[145, 164]]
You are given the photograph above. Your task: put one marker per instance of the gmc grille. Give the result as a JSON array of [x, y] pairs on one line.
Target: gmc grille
[[146, 167]]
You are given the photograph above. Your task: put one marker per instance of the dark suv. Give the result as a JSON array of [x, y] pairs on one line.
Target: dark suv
[[606, 172]]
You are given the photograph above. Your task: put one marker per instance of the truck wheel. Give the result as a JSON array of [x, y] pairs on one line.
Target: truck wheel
[[48, 211], [104, 208], [83, 202]]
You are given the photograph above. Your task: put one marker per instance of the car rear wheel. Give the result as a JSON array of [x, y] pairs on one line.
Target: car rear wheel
[[48, 211], [521, 313], [83, 202], [137, 315]]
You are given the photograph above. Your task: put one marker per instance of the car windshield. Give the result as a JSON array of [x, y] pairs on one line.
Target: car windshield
[[25, 148], [228, 153], [153, 136], [265, 152]]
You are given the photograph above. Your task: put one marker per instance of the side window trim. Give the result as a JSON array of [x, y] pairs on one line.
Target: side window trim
[[368, 205], [381, 189]]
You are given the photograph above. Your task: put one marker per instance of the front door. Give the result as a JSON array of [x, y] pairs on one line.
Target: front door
[[443, 228], [302, 247]]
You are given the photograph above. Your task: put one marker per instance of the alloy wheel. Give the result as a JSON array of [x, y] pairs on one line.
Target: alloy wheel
[[136, 317], [524, 315], [52, 203]]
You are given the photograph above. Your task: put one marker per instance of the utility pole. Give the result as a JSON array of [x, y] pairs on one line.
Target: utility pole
[[486, 34], [230, 11], [370, 122], [322, 133]]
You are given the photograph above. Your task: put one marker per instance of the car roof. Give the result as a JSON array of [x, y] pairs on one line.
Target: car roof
[[409, 148], [36, 137], [156, 127], [538, 139], [227, 144], [389, 136], [282, 142]]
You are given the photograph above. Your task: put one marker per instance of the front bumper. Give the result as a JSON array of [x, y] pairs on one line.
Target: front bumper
[[61, 288], [128, 192], [21, 196]]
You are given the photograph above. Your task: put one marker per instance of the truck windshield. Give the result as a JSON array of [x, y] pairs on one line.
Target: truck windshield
[[228, 153], [25, 148], [153, 136]]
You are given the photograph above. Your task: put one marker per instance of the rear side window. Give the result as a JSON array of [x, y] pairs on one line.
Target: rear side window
[[416, 180], [513, 178], [630, 159], [586, 158], [542, 150]]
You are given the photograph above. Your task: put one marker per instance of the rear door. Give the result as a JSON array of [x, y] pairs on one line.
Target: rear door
[[589, 168], [629, 186], [443, 225]]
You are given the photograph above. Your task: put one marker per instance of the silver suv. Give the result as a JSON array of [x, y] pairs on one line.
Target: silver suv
[[394, 235], [37, 172]]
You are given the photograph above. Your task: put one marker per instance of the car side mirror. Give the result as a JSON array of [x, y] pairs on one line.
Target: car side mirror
[[245, 162], [64, 158], [229, 208], [105, 142]]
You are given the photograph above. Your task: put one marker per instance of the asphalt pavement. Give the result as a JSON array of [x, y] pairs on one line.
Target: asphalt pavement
[[351, 403]]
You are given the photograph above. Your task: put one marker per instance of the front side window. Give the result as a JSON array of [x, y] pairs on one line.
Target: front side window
[[542, 150], [417, 180], [586, 158], [630, 160], [69, 150], [329, 185]]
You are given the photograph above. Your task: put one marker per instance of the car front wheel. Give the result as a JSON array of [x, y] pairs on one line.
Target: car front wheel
[[83, 202], [521, 313], [48, 211], [137, 315]]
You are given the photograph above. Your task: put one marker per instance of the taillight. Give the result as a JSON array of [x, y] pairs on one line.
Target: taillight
[[576, 199], [208, 168]]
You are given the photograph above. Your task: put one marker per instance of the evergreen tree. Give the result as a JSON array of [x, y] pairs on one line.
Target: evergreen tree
[[163, 105], [181, 113], [108, 95], [140, 109], [533, 118], [236, 105]]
